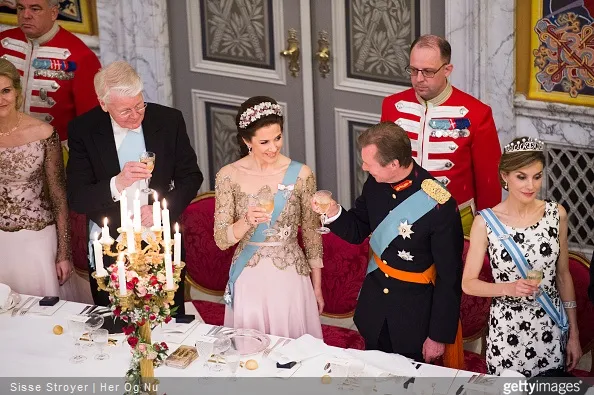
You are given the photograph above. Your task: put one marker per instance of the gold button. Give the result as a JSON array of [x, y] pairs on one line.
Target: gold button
[[386, 275], [385, 263], [386, 290], [393, 196]]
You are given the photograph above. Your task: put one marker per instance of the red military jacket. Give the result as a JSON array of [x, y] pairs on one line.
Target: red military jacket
[[57, 73], [463, 157]]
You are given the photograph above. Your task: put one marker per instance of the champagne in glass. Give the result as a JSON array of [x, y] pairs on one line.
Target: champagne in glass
[[323, 200], [266, 201], [148, 158], [535, 277]]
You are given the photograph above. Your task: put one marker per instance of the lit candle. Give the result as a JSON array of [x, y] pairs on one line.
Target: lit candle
[[123, 210], [168, 270], [156, 212], [122, 275], [105, 231], [176, 246], [166, 226], [98, 250], [137, 217]]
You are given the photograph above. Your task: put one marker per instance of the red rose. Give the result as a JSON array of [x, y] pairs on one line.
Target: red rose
[[124, 318], [117, 312], [164, 346], [114, 277], [147, 308], [148, 297], [157, 347], [141, 323], [153, 280], [128, 330], [167, 319], [129, 286], [152, 317], [132, 341], [134, 280]]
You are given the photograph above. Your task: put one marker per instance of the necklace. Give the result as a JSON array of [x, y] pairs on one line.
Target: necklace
[[14, 128]]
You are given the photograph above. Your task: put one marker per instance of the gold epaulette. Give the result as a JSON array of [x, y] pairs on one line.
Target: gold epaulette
[[435, 190]]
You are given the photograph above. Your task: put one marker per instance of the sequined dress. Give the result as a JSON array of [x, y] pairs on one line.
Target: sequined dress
[[34, 224], [523, 337], [274, 293]]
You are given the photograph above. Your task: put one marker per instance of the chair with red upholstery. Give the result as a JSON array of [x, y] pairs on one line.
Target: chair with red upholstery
[[579, 268], [79, 243], [207, 266], [474, 314]]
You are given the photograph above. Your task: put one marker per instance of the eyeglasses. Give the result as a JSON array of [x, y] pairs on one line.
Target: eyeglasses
[[426, 73], [139, 109]]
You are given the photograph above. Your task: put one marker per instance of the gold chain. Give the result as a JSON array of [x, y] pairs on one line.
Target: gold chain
[[19, 116]]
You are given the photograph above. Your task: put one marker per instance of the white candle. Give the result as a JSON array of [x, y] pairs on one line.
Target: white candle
[[166, 226], [176, 246], [137, 217], [98, 250], [131, 244], [122, 275], [168, 270], [156, 212], [105, 230], [123, 210]]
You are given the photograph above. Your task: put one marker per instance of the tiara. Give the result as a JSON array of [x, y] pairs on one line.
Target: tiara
[[258, 111], [524, 145]]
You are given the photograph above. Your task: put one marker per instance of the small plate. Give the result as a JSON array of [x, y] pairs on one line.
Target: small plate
[[245, 341]]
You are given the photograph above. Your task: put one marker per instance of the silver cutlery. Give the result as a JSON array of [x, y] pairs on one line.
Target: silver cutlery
[[17, 309], [213, 330], [25, 310], [83, 310], [92, 309], [269, 350]]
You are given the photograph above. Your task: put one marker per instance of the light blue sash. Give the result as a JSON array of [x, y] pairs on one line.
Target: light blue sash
[[557, 313], [410, 210], [280, 200]]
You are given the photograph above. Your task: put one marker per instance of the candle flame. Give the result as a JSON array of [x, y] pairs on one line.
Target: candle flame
[[105, 221], [176, 228], [164, 204]]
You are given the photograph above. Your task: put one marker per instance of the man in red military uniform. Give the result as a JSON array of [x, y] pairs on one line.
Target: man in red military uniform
[[57, 68], [453, 134]]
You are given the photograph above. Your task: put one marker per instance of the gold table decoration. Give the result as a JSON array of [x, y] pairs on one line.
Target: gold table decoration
[[146, 302]]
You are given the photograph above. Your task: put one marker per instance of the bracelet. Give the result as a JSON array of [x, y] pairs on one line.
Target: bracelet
[[570, 305]]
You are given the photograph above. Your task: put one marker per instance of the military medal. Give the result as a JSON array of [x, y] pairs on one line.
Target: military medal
[[405, 230], [405, 255], [450, 127]]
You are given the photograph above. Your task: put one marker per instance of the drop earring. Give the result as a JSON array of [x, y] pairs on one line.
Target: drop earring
[[505, 185], [249, 149]]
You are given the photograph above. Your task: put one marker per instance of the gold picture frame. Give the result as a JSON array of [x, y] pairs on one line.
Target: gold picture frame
[[558, 72], [88, 16]]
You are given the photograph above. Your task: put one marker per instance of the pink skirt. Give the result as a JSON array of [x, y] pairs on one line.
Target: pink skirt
[[273, 301]]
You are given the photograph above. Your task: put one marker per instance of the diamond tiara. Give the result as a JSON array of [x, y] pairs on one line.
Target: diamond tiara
[[258, 111], [525, 145]]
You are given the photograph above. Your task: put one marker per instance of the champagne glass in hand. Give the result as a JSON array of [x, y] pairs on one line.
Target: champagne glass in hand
[[323, 200], [266, 201], [148, 158], [535, 277]]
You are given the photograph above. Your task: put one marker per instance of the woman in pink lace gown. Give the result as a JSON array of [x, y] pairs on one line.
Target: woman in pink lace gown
[[279, 290], [35, 255]]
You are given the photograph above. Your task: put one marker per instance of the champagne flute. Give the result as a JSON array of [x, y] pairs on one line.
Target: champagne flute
[[266, 201], [100, 338], [232, 358], [148, 158], [76, 329], [535, 277], [323, 200], [93, 323]]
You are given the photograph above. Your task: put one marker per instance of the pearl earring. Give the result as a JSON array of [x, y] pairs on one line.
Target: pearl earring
[[249, 149], [505, 184]]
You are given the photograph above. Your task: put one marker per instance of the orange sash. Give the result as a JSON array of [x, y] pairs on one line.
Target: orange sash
[[453, 357]]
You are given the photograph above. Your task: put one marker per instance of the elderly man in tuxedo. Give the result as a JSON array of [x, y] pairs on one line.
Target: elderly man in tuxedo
[[105, 146]]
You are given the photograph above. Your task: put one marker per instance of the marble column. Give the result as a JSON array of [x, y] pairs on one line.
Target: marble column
[[137, 31]]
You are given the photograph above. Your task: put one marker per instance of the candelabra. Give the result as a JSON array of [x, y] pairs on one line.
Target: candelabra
[[143, 293]]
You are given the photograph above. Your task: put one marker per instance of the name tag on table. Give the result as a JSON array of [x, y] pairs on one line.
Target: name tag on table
[[206, 339], [78, 318]]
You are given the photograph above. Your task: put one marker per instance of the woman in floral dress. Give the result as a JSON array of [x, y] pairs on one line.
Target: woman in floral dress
[[524, 336], [279, 289]]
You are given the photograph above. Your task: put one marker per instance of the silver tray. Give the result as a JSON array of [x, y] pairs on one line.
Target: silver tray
[[245, 341]]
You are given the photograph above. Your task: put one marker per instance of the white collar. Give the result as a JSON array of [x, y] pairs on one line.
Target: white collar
[[117, 129]]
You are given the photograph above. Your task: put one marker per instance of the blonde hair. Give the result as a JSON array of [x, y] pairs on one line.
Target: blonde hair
[[8, 70], [118, 77]]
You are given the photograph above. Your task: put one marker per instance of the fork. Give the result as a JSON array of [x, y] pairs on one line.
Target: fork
[[16, 309], [25, 310], [213, 331], [269, 350]]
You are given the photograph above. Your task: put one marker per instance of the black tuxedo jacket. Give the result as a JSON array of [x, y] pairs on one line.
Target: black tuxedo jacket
[[94, 161], [411, 311]]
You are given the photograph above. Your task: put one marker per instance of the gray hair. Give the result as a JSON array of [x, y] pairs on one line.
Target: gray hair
[[118, 77], [53, 3]]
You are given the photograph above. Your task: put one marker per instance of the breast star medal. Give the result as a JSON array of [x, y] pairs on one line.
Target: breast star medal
[[405, 230], [285, 232], [405, 255]]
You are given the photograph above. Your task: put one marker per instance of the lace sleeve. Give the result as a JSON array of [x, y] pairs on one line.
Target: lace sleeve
[[56, 185], [312, 240], [224, 212]]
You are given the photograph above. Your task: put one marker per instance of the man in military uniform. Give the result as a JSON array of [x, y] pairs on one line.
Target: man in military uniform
[[453, 135], [57, 68], [410, 300]]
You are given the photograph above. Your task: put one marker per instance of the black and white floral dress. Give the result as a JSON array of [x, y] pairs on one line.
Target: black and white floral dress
[[523, 337]]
